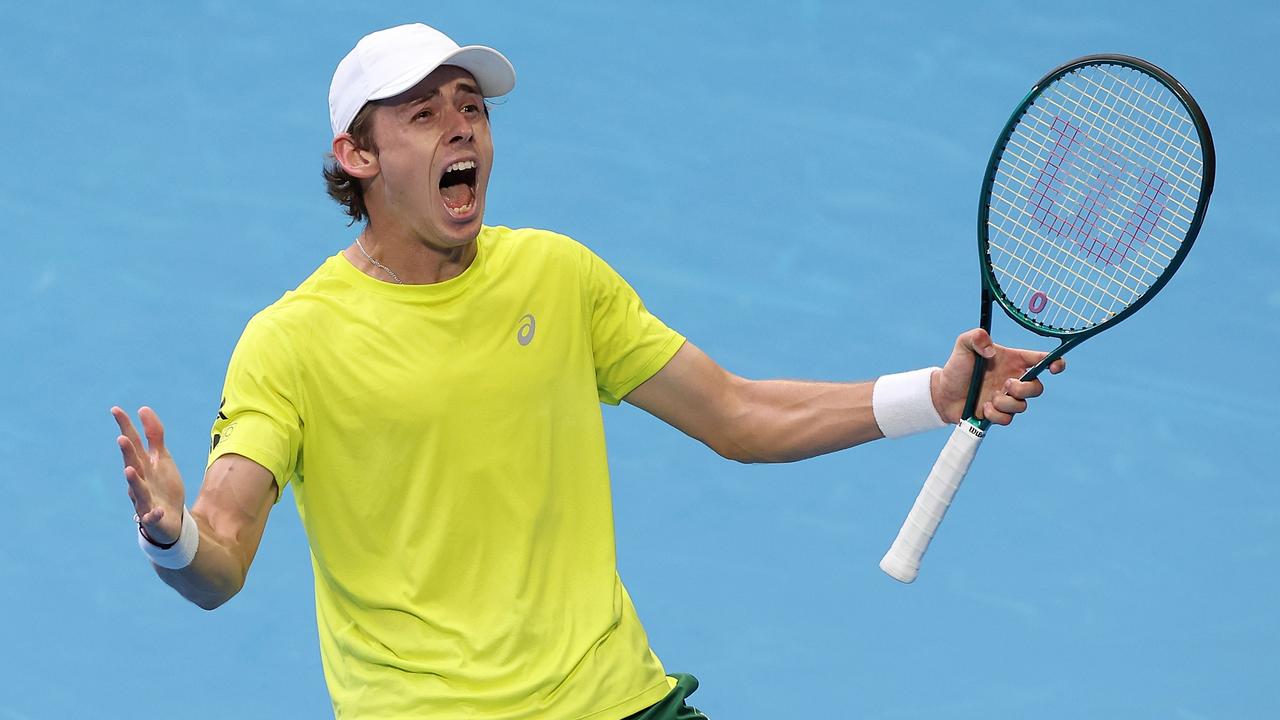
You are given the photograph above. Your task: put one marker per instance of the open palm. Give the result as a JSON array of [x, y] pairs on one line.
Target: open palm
[[155, 485]]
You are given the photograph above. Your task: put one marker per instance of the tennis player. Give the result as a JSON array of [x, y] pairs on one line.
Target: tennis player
[[433, 394]]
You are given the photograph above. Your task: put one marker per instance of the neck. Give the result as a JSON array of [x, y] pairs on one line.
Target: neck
[[411, 261]]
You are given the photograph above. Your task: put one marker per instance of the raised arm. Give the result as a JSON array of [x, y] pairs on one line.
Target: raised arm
[[788, 420], [230, 512]]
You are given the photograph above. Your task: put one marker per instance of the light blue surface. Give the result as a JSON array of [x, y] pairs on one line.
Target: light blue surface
[[791, 185]]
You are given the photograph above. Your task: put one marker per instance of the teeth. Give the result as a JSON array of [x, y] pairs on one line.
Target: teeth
[[462, 165]]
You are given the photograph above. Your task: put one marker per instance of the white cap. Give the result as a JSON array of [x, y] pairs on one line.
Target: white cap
[[388, 62]]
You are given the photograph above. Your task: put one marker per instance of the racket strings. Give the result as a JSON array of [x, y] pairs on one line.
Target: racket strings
[[1118, 131], [1076, 195], [1159, 258], [1194, 142], [1191, 156], [1132, 195], [1086, 112], [1078, 162], [1058, 279], [1113, 287], [1140, 282], [1112, 162], [1087, 203], [1046, 144], [1028, 280]]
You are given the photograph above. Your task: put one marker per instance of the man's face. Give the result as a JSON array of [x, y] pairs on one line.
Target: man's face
[[434, 157]]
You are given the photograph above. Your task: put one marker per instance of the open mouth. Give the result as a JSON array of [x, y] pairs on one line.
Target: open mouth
[[458, 187]]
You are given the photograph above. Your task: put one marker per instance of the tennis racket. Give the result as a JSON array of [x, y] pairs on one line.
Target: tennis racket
[[1093, 196]]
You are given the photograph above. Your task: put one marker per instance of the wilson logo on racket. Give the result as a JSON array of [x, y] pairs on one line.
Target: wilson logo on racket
[[1108, 179], [524, 335]]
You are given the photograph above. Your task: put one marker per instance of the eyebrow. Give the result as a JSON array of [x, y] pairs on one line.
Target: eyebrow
[[463, 87]]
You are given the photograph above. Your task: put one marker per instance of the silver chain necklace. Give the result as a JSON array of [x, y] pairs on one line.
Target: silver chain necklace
[[382, 267]]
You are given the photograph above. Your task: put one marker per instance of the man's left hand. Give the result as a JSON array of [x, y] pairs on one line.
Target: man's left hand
[[1003, 395]]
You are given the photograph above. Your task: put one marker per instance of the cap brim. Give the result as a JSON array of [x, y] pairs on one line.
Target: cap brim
[[491, 69]]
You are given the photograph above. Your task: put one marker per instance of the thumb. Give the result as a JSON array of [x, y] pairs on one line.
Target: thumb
[[976, 340]]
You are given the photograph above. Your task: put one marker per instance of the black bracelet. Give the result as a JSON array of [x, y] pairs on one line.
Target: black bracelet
[[162, 546]]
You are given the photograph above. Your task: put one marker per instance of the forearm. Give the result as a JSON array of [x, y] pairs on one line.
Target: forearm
[[762, 420], [231, 515], [789, 420], [214, 576]]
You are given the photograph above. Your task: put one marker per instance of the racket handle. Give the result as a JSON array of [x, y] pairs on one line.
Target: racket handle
[[902, 562]]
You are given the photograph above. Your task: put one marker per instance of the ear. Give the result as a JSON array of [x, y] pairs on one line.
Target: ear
[[357, 161]]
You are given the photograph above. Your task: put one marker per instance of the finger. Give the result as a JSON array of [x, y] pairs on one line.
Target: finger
[[134, 475], [152, 517], [126, 426], [1024, 390], [132, 455], [1008, 404], [979, 341], [139, 492], [153, 428], [994, 414], [1030, 358]]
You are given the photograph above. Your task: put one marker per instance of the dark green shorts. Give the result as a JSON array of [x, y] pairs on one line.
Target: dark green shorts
[[673, 707]]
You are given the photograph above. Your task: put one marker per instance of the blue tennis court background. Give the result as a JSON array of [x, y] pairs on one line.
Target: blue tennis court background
[[791, 185]]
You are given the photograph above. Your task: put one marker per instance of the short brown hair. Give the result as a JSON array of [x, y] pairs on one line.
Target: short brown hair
[[342, 186]]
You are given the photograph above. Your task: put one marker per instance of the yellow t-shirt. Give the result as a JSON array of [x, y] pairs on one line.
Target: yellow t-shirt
[[447, 454]]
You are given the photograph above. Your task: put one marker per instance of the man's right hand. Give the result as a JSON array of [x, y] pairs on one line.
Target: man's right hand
[[155, 485]]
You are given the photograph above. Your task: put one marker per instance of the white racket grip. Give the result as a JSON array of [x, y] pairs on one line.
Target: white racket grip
[[902, 562]]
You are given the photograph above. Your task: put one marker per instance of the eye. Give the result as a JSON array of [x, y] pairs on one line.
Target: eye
[[422, 115], [471, 108]]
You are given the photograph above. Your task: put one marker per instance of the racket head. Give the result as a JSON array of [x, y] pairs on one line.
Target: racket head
[[1094, 194]]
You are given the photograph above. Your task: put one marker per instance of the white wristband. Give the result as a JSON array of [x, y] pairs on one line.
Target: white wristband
[[182, 553], [903, 403]]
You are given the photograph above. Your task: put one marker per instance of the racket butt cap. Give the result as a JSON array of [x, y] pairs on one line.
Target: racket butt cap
[[899, 570]]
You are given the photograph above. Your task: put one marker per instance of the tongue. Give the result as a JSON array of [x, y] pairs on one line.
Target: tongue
[[457, 196]]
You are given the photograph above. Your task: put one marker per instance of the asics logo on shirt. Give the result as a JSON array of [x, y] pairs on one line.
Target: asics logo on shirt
[[524, 335]]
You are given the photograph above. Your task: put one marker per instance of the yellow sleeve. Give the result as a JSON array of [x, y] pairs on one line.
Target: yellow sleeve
[[629, 343], [260, 415]]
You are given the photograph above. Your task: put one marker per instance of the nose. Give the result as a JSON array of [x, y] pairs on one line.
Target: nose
[[459, 129]]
